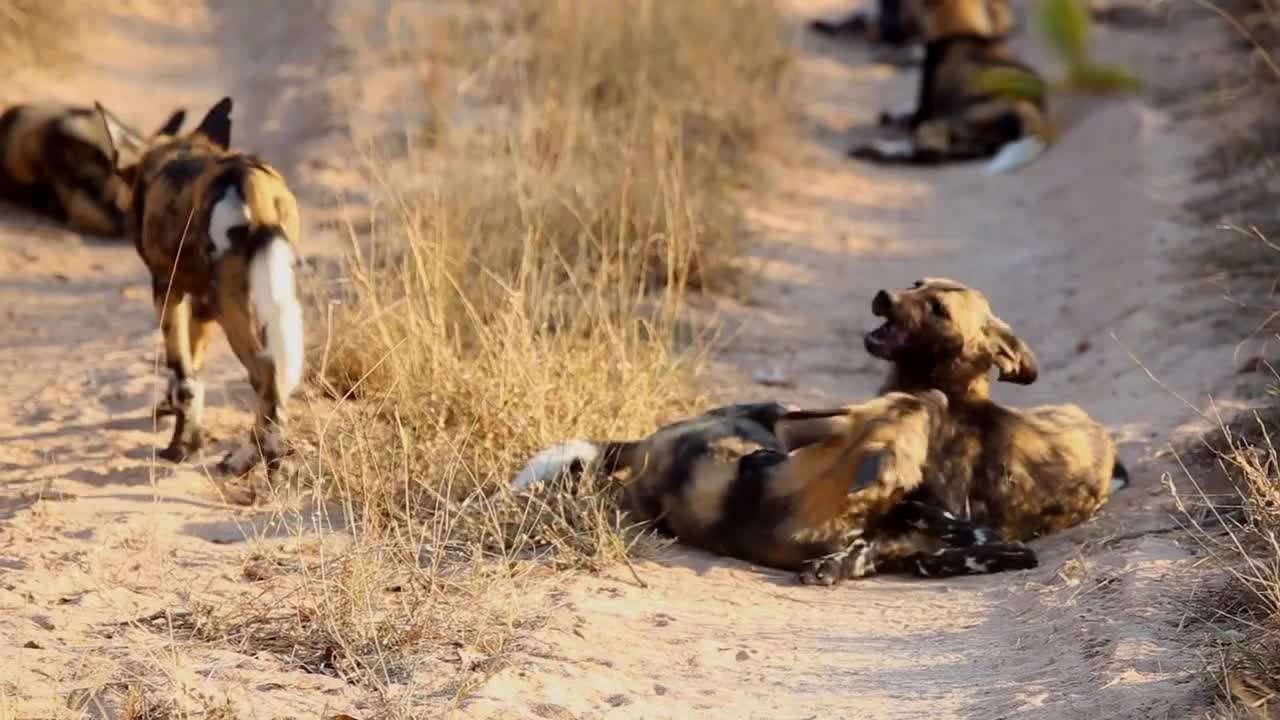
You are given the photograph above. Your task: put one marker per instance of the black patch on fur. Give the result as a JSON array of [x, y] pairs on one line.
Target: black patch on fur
[[1120, 472], [180, 171], [867, 472], [744, 506]]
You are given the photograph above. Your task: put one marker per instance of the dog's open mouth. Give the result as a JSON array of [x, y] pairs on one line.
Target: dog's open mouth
[[885, 340]]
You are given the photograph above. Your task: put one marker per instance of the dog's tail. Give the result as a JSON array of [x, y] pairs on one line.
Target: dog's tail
[[1028, 133], [275, 305], [574, 457], [1016, 154], [1119, 476]]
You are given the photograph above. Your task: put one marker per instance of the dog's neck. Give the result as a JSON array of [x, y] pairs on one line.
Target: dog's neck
[[958, 387]]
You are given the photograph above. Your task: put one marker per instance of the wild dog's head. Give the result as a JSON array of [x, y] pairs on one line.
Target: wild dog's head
[[942, 334], [125, 146], [940, 19], [132, 151], [880, 443]]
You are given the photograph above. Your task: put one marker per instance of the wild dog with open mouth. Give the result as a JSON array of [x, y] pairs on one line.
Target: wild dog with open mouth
[[1024, 472], [823, 492], [218, 230], [896, 28], [952, 120], [59, 161]]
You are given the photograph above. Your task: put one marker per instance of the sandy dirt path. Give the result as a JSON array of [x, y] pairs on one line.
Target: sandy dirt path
[[1071, 250]]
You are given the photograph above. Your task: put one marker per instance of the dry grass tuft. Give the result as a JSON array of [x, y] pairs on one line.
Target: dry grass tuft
[[1241, 532], [524, 271], [37, 32]]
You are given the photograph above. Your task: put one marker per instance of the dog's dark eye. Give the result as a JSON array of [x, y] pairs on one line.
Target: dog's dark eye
[[917, 284], [937, 308]]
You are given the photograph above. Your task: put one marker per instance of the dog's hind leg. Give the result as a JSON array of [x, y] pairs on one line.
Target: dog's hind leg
[[186, 392]]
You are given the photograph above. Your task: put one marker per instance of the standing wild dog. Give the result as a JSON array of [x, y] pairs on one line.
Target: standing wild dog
[[1023, 472], [217, 229], [953, 120], [60, 161], [823, 492], [896, 27]]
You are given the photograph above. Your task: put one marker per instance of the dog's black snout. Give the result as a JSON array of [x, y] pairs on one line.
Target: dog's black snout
[[881, 304]]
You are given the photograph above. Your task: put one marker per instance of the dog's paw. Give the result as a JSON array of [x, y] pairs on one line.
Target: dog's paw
[[824, 571], [239, 461]]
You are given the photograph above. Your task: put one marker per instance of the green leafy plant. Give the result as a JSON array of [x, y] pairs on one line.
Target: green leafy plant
[[1066, 27]]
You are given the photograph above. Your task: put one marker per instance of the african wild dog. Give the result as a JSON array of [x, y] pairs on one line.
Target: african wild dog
[[953, 120], [822, 492], [1023, 472], [59, 161], [896, 27], [218, 230]]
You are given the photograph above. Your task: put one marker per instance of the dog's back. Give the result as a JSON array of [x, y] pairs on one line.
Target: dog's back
[[781, 493], [175, 204]]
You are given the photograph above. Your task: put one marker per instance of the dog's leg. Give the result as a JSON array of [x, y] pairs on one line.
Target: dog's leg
[[186, 392], [856, 23], [203, 314], [978, 559], [267, 440], [942, 524], [851, 562]]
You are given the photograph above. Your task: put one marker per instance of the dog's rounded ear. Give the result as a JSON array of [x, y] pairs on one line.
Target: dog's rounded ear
[[1014, 358]]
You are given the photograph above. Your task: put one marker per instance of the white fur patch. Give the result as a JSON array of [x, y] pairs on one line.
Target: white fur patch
[[893, 148], [975, 566], [227, 213], [982, 536], [552, 461], [275, 305], [1118, 484], [1015, 154]]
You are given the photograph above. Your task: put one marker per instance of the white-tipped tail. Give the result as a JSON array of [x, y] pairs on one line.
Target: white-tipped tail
[[551, 462], [1016, 154], [275, 305]]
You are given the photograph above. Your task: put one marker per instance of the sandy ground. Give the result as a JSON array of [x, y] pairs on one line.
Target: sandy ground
[[1075, 252]]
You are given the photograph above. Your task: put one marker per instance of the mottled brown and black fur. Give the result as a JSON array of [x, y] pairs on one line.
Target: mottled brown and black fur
[[952, 119], [59, 161], [203, 264], [1023, 472], [823, 492], [895, 28]]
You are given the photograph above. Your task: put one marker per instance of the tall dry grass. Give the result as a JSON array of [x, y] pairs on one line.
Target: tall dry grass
[[518, 281], [1233, 509], [523, 278]]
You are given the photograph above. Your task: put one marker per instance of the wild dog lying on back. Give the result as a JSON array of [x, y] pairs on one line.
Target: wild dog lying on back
[[59, 161], [1023, 472], [952, 120], [896, 27], [818, 491], [217, 229]]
